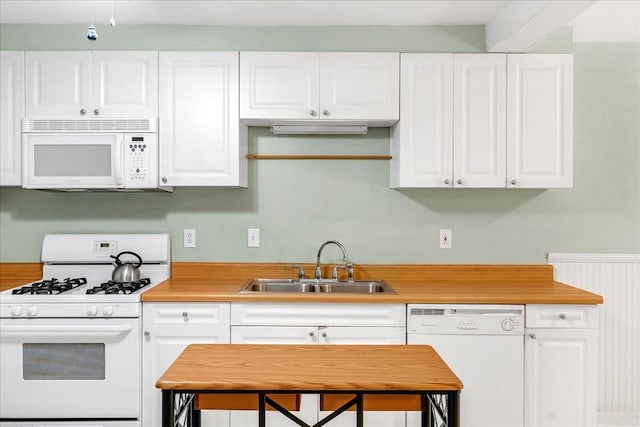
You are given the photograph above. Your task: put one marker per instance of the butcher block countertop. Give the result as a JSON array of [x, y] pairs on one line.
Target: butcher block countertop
[[245, 367], [413, 283]]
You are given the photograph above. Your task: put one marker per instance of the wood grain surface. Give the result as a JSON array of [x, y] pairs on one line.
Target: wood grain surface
[[13, 274], [317, 368]]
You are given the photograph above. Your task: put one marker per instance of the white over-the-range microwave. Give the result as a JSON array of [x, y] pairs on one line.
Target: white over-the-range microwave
[[90, 155]]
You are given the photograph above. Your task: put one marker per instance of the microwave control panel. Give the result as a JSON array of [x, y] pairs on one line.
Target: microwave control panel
[[140, 165]]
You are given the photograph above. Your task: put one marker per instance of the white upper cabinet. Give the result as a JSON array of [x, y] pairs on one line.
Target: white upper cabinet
[[91, 84], [422, 142], [11, 114], [276, 86], [202, 142], [540, 121], [279, 85], [479, 120], [452, 121], [484, 121]]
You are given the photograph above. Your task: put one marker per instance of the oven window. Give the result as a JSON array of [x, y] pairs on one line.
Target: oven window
[[63, 361]]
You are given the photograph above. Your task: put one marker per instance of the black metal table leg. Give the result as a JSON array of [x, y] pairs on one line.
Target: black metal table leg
[[453, 409], [167, 408], [359, 410], [262, 421]]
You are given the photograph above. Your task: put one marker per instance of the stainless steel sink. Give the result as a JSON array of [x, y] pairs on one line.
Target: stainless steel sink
[[311, 285], [277, 285]]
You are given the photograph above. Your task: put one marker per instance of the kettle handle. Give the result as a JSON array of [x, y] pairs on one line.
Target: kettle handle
[[118, 262]]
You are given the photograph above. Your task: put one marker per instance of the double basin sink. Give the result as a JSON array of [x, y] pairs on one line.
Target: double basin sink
[[317, 286]]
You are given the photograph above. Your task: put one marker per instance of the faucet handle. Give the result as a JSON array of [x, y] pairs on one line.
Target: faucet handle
[[349, 267], [300, 271], [334, 275]]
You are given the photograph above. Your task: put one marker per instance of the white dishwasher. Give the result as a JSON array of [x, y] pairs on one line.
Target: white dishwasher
[[484, 346]]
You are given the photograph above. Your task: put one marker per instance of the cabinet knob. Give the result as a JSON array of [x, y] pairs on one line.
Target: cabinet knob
[[447, 181], [313, 113], [96, 112], [562, 316], [325, 112], [185, 315], [514, 182], [147, 334], [324, 335], [83, 112], [312, 334], [164, 179], [460, 181], [532, 336]]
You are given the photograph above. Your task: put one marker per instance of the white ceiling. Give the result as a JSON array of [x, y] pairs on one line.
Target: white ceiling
[[609, 20]]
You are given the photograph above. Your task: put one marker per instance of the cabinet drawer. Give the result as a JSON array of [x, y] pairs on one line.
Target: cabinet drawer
[[180, 313], [318, 314], [561, 316]]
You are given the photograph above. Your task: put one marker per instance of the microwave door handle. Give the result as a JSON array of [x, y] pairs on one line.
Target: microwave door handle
[[119, 160]]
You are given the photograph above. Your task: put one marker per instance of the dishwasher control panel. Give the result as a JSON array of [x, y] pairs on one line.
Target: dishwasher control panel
[[461, 319]]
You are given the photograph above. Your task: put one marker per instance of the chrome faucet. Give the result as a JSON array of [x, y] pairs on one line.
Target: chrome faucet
[[345, 258]]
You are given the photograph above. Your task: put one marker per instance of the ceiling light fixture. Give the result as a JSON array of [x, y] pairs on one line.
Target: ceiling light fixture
[[112, 20]]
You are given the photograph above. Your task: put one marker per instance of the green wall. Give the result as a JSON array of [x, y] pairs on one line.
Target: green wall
[[299, 204]]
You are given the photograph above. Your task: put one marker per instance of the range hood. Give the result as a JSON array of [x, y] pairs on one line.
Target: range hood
[[316, 129]]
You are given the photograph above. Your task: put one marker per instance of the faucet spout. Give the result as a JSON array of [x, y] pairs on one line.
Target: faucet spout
[[318, 272]]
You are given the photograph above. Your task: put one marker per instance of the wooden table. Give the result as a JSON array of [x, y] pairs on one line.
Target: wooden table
[[319, 369]]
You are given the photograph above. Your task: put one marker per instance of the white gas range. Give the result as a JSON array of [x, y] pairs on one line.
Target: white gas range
[[74, 336]]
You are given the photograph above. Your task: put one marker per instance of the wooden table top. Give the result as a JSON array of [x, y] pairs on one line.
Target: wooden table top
[[344, 368]]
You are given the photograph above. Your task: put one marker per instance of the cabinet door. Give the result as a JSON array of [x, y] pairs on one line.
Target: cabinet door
[[479, 125], [359, 86], [11, 115], [278, 85], [421, 143], [560, 377], [124, 84], [361, 336], [201, 140], [539, 121], [58, 84], [161, 346], [276, 335]]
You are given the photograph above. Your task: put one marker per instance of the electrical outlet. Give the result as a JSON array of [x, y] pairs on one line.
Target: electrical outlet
[[445, 239], [189, 238], [253, 238]]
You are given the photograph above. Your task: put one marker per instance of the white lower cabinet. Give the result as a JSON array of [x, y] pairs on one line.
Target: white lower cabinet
[[322, 324], [561, 366], [167, 329]]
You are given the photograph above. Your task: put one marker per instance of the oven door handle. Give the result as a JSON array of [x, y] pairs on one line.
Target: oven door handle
[[67, 331]]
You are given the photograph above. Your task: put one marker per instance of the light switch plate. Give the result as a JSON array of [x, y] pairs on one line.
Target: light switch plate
[[253, 237], [445, 239]]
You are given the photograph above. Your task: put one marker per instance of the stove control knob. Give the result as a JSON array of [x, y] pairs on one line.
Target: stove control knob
[[16, 310], [33, 311], [107, 311], [92, 311], [507, 324]]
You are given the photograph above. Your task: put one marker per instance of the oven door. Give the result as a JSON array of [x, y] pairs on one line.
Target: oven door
[[72, 160], [69, 368]]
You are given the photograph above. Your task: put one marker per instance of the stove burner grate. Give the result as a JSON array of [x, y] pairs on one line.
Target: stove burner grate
[[50, 286], [112, 287]]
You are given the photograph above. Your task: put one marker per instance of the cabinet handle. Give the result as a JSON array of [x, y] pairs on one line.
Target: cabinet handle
[[164, 179], [324, 335], [312, 334], [325, 112], [83, 112], [532, 336], [446, 181], [460, 181], [96, 112], [562, 316], [313, 113], [514, 182], [147, 334], [185, 315]]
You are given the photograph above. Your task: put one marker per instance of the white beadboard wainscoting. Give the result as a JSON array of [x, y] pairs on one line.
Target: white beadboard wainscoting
[[617, 278]]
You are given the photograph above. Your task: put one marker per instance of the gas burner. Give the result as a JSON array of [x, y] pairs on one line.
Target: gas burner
[[111, 287], [50, 287]]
